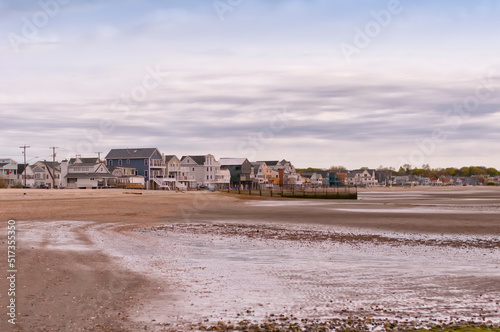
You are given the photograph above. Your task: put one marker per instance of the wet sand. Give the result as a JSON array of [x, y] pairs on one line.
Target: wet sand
[[165, 260]]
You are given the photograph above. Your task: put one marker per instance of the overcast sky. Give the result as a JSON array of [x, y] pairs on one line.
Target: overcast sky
[[317, 82]]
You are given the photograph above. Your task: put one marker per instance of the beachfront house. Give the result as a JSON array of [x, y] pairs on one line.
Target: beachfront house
[[8, 171], [241, 170], [30, 176], [126, 177], [85, 173], [362, 177], [178, 176], [51, 177], [148, 163], [206, 171], [262, 174]]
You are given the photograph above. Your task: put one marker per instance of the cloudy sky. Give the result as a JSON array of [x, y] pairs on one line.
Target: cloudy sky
[[318, 82]]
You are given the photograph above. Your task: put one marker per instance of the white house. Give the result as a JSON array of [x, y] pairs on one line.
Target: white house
[[85, 173], [178, 176], [8, 171], [206, 171], [30, 176], [362, 177]]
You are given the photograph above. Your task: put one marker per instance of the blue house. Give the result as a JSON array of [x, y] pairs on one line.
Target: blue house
[[148, 162]]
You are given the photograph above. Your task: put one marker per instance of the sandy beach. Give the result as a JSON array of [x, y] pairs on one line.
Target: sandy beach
[[122, 260]]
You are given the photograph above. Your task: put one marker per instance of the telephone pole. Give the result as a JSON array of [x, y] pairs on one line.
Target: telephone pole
[[25, 170], [53, 166]]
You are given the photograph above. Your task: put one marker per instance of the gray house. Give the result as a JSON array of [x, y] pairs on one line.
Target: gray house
[[242, 171]]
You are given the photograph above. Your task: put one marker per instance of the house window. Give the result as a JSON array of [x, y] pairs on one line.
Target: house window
[[119, 162], [210, 169], [146, 173], [145, 162], [128, 161], [207, 169], [110, 162], [193, 169], [92, 179], [207, 177]]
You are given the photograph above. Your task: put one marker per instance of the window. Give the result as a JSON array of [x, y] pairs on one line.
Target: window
[[207, 177], [193, 169], [110, 162], [210, 169], [92, 179], [146, 173], [119, 162], [145, 162], [128, 161], [207, 169]]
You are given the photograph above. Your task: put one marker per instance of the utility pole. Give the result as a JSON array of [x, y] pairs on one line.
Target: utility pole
[[25, 170], [53, 165]]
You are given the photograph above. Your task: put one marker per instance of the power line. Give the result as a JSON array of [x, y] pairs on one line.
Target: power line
[[24, 152]]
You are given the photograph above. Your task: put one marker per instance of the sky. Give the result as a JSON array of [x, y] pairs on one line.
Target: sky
[[317, 82]]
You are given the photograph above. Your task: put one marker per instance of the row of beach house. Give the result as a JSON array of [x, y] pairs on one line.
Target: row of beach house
[[148, 168]]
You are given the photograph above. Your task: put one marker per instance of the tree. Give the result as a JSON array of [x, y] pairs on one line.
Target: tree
[[492, 171], [337, 168]]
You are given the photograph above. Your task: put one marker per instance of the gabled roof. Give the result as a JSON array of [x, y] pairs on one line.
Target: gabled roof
[[20, 168], [232, 161], [200, 160], [131, 153], [170, 157], [270, 163], [86, 161], [37, 169]]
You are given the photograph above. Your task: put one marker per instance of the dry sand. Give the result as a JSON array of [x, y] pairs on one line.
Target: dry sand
[[63, 288]]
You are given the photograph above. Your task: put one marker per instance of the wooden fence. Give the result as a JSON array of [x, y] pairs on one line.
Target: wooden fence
[[318, 193]]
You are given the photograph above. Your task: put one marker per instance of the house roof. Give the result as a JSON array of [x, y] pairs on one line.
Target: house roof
[[270, 163], [87, 161], [232, 161], [342, 176], [170, 157], [37, 169], [200, 160], [84, 165], [131, 153], [20, 168]]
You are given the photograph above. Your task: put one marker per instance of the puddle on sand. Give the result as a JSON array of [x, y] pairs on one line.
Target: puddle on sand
[[223, 276]]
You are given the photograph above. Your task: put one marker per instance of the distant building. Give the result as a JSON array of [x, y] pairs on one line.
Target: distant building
[[207, 171], [148, 163], [8, 171], [85, 173], [241, 170]]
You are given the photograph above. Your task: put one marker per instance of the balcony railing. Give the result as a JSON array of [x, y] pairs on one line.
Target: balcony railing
[[157, 163]]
